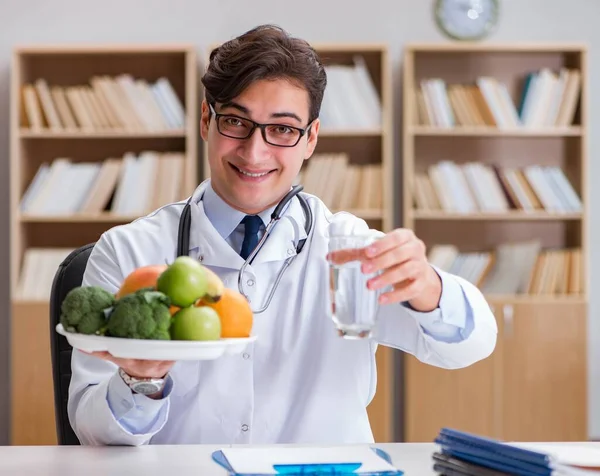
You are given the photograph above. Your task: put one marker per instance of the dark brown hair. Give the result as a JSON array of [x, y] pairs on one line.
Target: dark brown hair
[[265, 52]]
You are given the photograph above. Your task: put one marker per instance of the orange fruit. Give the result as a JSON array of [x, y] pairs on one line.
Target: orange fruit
[[142, 277], [235, 313]]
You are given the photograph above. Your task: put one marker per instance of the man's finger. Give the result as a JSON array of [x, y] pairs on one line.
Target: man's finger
[[402, 292], [391, 257], [391, 240], [345, 256], [395, 275]]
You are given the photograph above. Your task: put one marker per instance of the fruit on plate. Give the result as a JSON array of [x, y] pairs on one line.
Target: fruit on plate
[[214, 286], [200, 323], [143, 277], [235, 313], [184, 281], [83, 309], [143, 314]]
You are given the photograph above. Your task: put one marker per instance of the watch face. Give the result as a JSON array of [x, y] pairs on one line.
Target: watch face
[[466, 19], [146, 388]]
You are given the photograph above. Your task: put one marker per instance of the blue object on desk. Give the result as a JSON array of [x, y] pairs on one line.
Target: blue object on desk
[[332, 469], [493, 454]]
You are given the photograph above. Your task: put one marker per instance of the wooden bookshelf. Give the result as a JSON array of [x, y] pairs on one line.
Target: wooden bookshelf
[[85, 104], [357, 144], [510, 109]]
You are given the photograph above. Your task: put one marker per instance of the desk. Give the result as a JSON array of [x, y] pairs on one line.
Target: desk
[[164, 460]]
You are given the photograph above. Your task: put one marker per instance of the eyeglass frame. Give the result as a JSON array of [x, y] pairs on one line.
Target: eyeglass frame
[[260, 126]]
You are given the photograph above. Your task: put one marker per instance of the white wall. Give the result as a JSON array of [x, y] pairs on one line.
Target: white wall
[[201, 22]]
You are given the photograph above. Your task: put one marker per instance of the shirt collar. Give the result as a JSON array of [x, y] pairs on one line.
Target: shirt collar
[[290, 229], [223, 216]]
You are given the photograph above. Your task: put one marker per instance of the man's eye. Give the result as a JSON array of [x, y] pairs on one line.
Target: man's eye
[[282, 130], [232, 121]]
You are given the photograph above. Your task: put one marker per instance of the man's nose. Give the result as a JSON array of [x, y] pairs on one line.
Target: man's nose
[[255, 146]]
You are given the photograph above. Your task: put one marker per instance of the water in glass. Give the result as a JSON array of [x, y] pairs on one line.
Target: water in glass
[[353, 306]]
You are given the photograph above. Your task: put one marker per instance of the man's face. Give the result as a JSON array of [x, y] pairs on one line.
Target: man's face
[[250, 174]]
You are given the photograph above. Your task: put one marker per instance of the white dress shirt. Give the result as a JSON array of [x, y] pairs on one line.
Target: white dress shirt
[[299, 382]]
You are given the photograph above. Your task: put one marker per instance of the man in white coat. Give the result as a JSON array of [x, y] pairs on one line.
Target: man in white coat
[[299, 382]]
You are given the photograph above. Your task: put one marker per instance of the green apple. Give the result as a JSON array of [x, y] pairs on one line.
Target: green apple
[[196, 323], [184, 281]]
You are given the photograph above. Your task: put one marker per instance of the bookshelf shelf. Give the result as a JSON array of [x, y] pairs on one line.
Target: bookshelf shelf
[[79, 218], [532, 299], [363, 213], [495, 168], [104, 134], [510, 215], [495, 131], [99, 135], [350, 133]]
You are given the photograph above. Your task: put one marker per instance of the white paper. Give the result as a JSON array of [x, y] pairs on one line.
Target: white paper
[[262, 460], [567, 454]]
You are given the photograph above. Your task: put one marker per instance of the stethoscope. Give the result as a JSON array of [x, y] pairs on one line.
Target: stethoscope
[[183, 238]]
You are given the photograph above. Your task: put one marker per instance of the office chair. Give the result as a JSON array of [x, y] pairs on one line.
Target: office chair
[[68, 276]]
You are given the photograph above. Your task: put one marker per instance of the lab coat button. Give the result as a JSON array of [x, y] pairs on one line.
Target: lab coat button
[[250, 282], [244, 427], [290, 252], [246, 355]]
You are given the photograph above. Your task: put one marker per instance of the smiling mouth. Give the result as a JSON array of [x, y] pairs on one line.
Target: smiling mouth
[[251, 174]]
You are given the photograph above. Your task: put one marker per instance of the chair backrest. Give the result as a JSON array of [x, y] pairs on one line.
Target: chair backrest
[[69, 275]]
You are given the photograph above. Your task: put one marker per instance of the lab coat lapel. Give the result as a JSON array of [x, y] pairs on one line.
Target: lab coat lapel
[[205, 241]]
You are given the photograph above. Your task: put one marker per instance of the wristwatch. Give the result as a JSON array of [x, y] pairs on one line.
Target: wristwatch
[[144, 386]]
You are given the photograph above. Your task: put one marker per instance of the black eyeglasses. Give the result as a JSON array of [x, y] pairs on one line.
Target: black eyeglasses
[[280, 135]]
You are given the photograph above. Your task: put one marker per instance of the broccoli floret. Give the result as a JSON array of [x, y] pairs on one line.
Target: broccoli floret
[[82, 310], [143, 314]]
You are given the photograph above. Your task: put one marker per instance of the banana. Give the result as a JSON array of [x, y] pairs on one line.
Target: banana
[[214, 288]]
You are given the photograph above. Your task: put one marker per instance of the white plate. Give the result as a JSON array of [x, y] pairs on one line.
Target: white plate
[[156, 349]]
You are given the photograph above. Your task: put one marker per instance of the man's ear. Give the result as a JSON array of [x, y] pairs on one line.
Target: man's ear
[[204, 120], [313, 135]]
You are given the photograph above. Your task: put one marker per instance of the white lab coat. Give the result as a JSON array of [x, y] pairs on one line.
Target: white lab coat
[[299, 383]]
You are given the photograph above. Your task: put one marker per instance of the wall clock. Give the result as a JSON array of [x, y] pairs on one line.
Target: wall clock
[[466, 19]]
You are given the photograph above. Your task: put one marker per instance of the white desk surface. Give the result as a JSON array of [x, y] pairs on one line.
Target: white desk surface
[[165, 460]]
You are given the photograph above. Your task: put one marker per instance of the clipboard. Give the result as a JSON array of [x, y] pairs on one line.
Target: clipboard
[[342, 468]]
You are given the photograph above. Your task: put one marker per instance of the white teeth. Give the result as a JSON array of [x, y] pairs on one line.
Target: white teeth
[[251, 175]]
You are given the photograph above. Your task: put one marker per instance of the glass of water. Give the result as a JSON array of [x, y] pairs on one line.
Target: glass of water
[[353, 306]]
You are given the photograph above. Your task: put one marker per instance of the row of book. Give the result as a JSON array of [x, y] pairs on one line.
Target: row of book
[[524, 267], [351, 99], [509, 269], [123, 103], [130, 185], [547, 99], [474, 187], [342, 185], [38, 269]]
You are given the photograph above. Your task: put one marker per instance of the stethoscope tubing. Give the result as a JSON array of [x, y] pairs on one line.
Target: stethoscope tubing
[[184, 230]]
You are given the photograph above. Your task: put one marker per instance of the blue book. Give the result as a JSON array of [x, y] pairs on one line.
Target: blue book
[[494, 454]]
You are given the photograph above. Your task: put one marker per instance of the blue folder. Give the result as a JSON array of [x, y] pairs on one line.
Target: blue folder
[[494, 454], [334, 469]]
